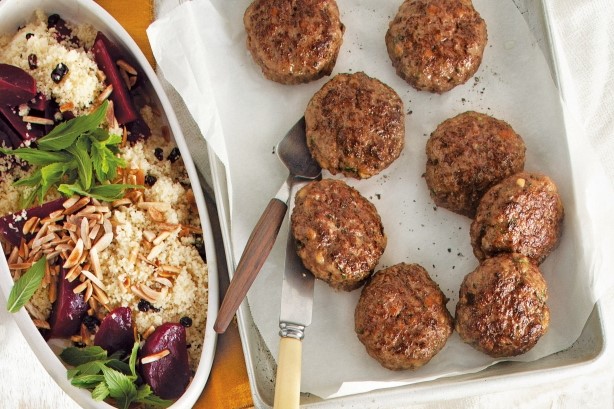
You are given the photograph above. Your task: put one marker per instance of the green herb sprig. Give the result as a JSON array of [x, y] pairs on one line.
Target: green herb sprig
[[76, 157], [109, 376], [25, 287]]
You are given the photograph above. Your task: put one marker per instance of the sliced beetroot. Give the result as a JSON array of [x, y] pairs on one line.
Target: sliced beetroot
[[38, 103], [115, 332], [125, 112], [68, 310], [168, 376], [16, 86], [138, 130], [26, 131], [8, 135], [11, 225]]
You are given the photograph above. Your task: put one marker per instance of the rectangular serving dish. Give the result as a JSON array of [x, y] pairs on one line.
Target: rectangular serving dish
[[581, 358], [14, 13]]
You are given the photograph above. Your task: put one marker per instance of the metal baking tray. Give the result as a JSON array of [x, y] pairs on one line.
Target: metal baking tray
[[581, 358]]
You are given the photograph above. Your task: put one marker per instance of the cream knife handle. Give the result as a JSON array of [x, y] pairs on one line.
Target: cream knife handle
[[288, 381]]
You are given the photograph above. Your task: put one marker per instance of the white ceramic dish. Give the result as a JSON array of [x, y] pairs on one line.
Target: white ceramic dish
[[16, 12]]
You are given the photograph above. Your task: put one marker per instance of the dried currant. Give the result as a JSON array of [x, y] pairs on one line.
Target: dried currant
[[174, 155], [32, 61], [150, 180], [59, 72], [185, 321], [159, 153]]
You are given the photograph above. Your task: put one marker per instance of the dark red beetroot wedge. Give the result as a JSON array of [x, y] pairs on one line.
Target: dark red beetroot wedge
[[168, 376], [12, 117], [8, 134], [38, 103], [125, 112], [68, 310], [11, 225], [16, 86], [115, 332], [138, 130]]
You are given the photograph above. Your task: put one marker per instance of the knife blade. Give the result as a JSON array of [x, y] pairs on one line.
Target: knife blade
[[295, 315]]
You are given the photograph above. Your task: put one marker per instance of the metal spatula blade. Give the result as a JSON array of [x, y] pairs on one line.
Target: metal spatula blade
[[294, 153]]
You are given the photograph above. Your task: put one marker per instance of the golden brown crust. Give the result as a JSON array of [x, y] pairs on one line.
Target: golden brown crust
[[502, 307], [294, 41], [355, 125], [436, 45], [468, 154], [522, 214], [401, 317], [339, 233]]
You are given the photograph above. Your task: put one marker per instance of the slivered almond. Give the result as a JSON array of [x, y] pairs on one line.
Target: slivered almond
[[85, 234], [171, 269], [162, 206], [108, 227], [156, 215], [155, 251], [76, 338], [94, 279], [80, 288], [82, 202], [95, 262], [37, 120], [67, 106], [149, 235], [102, 209], [125, 283], [73, 273], [53, 289], [42, 240], [89, 290], [30, 224], [153, 294], [161, 237], [121, 202], [34, 312], [20, 266], [133, 255], [164, 281], [89, 209], [93, 303], [126, 67], [75, 255], [148, 332], [125, 78], [103, 242], [137, 291], [71, 201], [13, 256], [94, 232], [102, 297], [154, 357], [105, 93], [41, 324]]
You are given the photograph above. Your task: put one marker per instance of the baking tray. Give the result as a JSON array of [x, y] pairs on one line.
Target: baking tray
[[581, 358]]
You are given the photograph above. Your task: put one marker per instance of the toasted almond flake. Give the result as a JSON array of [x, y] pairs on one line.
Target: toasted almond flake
[[133, 81], [103, 242], [20, 266], [154, 357], [126, 282], [153, 294], [162, 206], [102, 297], [47, 276], [126, 67], [24, 250], [137, 291], [93, 303], [167, 274], [95, 263], [52, 293], [82, 202], [71, 201], [13, 256], [87, 210], [136, 196], [164, 281], [85, 234], [41, 324], [102, 209], [170, 269], [80, 288], [75, 255], [125, 78], [73, 273], [84, 257], [34, 312], [64, 247], [133, 255], [40, 241], [124, 137], [155, 214], [168, 226], [161, 237], [94, 279], [30, 224], [105, 93], [54, 227], [67, 106], [89, 290], [149, 235], [108, 226], [121, 202], [148, 332], [155, 251], [94, 232], [76, 338], [37, 120]]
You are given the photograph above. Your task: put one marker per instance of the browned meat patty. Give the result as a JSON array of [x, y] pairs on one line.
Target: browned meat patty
[[522, 214], [502, 307], [294, 41], [355, 125], [436, 45], [468, 154], [339, 234], [401, 317]]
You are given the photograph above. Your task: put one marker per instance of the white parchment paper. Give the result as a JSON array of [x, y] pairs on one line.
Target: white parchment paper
[[253, 114]]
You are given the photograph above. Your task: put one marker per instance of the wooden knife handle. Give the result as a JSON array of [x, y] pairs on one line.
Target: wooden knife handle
[[256, 251], [288, 380]]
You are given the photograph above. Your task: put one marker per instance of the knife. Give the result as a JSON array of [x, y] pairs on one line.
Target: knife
[[295, 316]]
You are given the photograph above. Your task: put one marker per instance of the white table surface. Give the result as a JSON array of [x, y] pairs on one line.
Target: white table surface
[[586, 43]]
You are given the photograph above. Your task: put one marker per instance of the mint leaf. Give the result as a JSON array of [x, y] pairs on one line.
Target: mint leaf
[[133, 358], [100, 392], [26, 286], [121, 387], [77, 356], [91, 368], [38, 157], [65, 134], [86, 381], [80, 152], [145, 395]]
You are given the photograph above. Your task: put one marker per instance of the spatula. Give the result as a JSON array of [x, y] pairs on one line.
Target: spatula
[[294, 153]]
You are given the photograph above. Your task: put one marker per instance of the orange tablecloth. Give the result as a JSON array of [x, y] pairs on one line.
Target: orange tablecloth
[[228, 385]]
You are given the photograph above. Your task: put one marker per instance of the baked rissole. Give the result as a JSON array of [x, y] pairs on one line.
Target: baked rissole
[[466, 155], [502, 307], [401, 317], [436, 45], [339, 234], [355, 125], [521, 214], [294, 41]]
